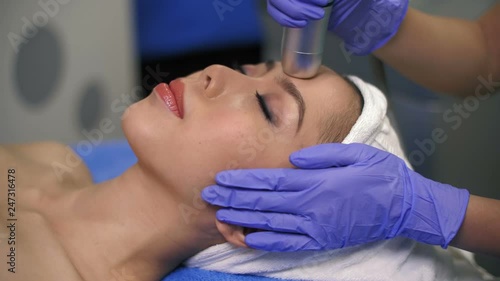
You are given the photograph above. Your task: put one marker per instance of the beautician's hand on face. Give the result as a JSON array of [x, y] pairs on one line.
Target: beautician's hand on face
[[341, 195], [364, 25]]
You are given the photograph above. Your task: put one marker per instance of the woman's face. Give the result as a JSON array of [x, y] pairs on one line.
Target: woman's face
[[225, 126]]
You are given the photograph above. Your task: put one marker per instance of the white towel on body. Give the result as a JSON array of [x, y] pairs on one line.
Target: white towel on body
[[395, 259]]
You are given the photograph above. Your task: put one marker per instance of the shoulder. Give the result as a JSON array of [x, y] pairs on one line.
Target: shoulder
[[57, 159], [38, 151]]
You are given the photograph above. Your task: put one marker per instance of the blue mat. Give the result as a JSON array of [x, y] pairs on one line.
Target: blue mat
[[184, 273], [110, 159]]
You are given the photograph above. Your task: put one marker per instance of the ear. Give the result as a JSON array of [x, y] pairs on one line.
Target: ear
[[232, 233]]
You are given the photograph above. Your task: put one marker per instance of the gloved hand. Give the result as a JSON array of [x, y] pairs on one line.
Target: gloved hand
[[344, 195], [364, 25]]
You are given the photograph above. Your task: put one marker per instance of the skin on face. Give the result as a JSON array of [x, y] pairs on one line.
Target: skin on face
[[224, 127]]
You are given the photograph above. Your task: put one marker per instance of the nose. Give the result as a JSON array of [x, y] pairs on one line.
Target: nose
[[215, 80]]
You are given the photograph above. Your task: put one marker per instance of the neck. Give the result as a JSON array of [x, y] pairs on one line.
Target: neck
[[132, 227]]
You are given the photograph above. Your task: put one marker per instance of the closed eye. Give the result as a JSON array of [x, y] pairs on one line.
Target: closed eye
[[260, 99], [263, 107]]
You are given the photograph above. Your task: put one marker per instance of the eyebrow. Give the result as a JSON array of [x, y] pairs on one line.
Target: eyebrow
[[289, 87]]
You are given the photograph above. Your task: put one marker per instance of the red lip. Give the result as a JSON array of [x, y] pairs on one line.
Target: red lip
[[177, 88], [172, 97]]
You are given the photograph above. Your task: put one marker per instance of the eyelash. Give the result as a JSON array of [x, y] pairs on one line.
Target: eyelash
[[263, 106], [260, 99]]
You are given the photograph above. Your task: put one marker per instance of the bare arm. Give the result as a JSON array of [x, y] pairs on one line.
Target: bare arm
[[446, 54], [480, 231]]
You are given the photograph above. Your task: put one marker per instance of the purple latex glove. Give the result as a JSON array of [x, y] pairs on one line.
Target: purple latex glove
[[364, 25], [343, 195]]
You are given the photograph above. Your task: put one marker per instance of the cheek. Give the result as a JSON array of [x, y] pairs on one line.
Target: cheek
[[217, 136], [229, 140], [235, 140], [203, 146]]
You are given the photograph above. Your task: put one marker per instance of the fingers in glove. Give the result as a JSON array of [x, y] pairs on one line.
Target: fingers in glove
[[284, 19], [296, 12], [252, 200], [284, 179], [265, 221], [280, 242], [332, 155]]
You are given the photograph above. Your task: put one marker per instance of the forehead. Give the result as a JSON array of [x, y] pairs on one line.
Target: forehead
[[325, 95], [325, 84]]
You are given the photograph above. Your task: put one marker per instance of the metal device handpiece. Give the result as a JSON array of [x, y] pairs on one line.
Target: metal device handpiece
[[302, 48]]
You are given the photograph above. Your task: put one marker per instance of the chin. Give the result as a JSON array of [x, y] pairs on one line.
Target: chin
[[148, 137], [136, 127]]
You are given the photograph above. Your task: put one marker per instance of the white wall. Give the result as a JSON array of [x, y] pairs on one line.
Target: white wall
[[68, 73]]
